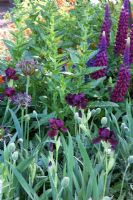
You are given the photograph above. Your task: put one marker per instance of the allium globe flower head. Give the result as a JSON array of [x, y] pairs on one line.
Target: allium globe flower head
[[9, 92], [104, 134], [106, 25], [77, 100], [101, 59], [122, 31], [27, 66], [56, 125], [21, 99], [11, 73], [124, 76]]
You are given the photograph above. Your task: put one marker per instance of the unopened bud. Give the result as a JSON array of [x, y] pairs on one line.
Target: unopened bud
[[34, 113], [123, 126], [93, 112], [11, 147], [98, 110], [130, 160], [15, 156], [20, 140], [104, 121], [27, 117], [65, 182], [106, 198]]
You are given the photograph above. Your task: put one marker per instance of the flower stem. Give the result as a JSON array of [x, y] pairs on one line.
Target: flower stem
[[123, 180], [27, 84], [22, 121], [106, 175]]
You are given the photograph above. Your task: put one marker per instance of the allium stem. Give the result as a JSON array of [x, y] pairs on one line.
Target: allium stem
[[27, 84], [22, 122]]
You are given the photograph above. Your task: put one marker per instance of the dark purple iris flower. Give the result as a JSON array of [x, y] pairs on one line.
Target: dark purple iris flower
[[11, 73], [9, 91], [56, 125], [104, 134], [77, 100]]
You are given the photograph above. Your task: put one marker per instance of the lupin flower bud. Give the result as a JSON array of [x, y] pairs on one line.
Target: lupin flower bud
[[101, 59], [123, 81], [122, 31], [106, 24]]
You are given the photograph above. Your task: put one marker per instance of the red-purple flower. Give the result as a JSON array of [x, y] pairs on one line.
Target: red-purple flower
[[52, 133], [101, 59], [56, 125], [106, 25], [123, 81], [9, 92], [104, 134], [77, 100], [11, 73], [122, 31]]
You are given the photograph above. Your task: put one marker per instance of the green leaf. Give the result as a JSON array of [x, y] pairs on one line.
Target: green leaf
[[31, 193], [17, 124], [103, 104]]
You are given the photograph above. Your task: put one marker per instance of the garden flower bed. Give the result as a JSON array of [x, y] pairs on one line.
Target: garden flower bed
[[66, 117]]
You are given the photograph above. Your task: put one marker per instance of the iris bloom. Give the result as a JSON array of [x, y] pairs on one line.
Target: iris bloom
[[104, 134]]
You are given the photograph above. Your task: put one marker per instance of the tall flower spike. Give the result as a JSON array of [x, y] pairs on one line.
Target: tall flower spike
[[131, 45], [122, 31], [101, 59], [123, 81], [127, 53], [106, 24]]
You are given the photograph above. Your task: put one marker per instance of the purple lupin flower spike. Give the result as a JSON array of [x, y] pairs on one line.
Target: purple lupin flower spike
[[126, 4], [127, 53], [106, 24], [123, 81], [101, 59], [122, 31], [131, 45]]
